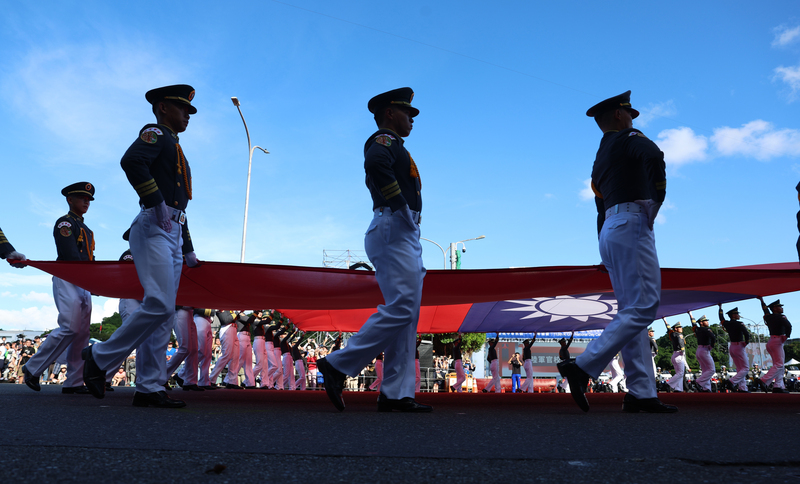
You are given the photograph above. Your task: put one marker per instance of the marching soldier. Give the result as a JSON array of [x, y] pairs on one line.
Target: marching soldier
[[678, 355], [705, 342], [653, 349], [779, 331], [7, 251], [74, 242], [160, 242], [740, 338]]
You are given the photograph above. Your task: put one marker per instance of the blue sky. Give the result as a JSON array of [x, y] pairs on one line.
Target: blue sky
[[502, 142]]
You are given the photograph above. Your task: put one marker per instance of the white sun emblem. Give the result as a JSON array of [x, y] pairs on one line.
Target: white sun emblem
[[580, 308]]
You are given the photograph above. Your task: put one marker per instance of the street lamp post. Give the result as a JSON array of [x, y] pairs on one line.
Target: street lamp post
[[454, 249], [444, 256], [249, 167]]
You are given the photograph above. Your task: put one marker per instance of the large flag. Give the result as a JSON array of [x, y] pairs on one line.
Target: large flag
[[562, 298]]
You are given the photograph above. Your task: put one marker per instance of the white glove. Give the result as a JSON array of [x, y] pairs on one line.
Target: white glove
[[651, 209], [191, 259], [16, 256], [162, 217]]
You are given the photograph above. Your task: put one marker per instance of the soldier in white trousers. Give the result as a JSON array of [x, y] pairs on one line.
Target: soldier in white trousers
[[277, 356], [617, 375], [186, 335], [740, 338], [458, 364], [418, 379], [780, 329], [74, 242], [244, 325], [494, 367], [678, 356], [527, 364], [376, 385], [229, 343], [705, 342], [299, 364], [205, 340], [260, 349]]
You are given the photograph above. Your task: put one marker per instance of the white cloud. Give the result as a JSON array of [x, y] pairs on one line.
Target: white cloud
[[12, 279], [791, 77], [682, 146], [104, 310], [586, 193], [79, 93], [650, 112], [40, 297], [785, 35], [33, 318], [758, 139]]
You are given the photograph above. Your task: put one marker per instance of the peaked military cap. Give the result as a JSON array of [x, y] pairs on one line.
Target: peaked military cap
[[400, 97], [616, 102], [80, 188], [776, 302], [650, 329], [732, 311], [179, 93], [127, 235], [676, 326], [702, 318]]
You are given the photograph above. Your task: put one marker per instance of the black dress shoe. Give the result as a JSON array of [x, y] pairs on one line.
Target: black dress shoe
[[192, 388], [406, 404], [577, 379], [178, 380], [209, 387], [231, 386], [252, 387], [109, 388], [30, 380], [156, 399], [81, 390], [333, 381], [774, 390], [632, 404], [93, 377]]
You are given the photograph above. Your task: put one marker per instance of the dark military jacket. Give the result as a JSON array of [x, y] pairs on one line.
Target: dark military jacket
[[158, 171], [392, 176], [5, 246], [778, 325], [243, 323], [74, 240], [737, 331], [705, 336], [457, 350], [628, 167], [677, 340]]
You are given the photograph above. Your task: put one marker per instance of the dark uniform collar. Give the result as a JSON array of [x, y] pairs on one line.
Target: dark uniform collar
[[74, 215]]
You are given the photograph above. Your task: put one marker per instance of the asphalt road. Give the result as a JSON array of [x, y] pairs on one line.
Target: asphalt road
[[231, 436]]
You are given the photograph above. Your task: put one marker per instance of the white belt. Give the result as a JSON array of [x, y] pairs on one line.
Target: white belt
[[627, 207], [245, 332], [259, 337], [415, 216], [174, 214]]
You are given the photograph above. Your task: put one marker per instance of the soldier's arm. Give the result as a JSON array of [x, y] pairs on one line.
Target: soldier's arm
[[721, 315], [136, 163], [764, 306]]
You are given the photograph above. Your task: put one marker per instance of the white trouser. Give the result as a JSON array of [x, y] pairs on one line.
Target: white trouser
[[527, 385], [259, 348], [775, 350], [655, 370], [72, 335], [617, 375], [737, 352], [229, 343], [126, 308], [186, 335], [494, 367], [301, 375], [268, 380], [158, 259], [418, 380], [376, 385], [565, 385], [288, 370], [461, 377], [678, 363], [277, 378], [628, 250], [205, 340], [706, 363], [246, 358], [393, 246]]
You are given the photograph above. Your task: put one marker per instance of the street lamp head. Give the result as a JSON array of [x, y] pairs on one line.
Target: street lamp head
[[235, 101], [481, 237]]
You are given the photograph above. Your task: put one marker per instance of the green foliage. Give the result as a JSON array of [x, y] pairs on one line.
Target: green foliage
[[792, 350], [470, 342], [109, 325]]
